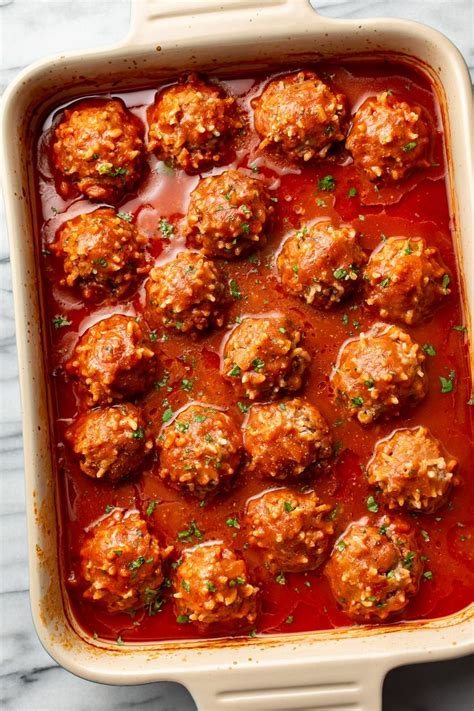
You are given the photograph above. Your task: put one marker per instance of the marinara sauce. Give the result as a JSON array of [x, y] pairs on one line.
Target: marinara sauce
[[189, 369]]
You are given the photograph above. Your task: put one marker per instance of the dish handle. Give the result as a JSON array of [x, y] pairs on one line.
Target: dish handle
[[338, 684], [172, 19]]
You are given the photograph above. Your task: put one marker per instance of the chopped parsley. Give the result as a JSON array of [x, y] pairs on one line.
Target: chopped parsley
[[182, 619], [236, 581], [186, 385], [341, 545], [188, 533], [459, 328], [243, 407], [233, 522], [408, 560], [139, 433], [288, 507], [425, 535], [181, 426], [110, 170], [385, 282], [357, 401], [409, 146], [327, 184], [185, 585], [340, 273], [280, 579], [445, 283], [167, 415], [211, 587], [428, 575], [151, 507], [372, 505], [429, 349], [235, 371], [127, 216], [60, 321], [447, 384], [289, 620], [166, 228], [137, 563], [234, 289], [258, 364], [352, 192]]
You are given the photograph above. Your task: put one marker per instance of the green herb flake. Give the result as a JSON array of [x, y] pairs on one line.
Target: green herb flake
[[460, 328], [182, 619], [236, 581], [320, 203], [425, 535], [139, 433], [235, 371], [243, 407], [212, 588], [167, 415], [428, 575], [137, 563], [192, 530], [357, 401], [289, 620], [340, 273], [385, 282], [408, 560], [151, 507], [126, 216], [120, 641], [445, 283], [185, 585], [166, 228], [181, 426], [352, 192], [372, 505], [408, 147], [327, 184], [447, 384], [258, 364], [186, 385], [60, 321], [288, 507], [234, 289], [233, 523], [429, 349], [341, 545], [109, 508], [280, 579]]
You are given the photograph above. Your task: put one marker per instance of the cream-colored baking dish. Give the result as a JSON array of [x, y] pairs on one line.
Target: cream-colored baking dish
[[336, 669]]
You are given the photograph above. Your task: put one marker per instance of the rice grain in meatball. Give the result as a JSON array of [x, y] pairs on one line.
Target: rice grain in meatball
[[103, 254], [185, 294], [412, 471], [263, 357], [228, 215], [374, 570], [122, 563], [321, 264], [110, 442], [191, 124], [389, 138], [300, 115], [113, 360], [291, 531], [405, 280], [98, 149], [283, 439], [200, 450], [211, 586], [380, 373]]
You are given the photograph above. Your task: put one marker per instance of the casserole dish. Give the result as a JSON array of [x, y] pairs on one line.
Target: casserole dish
[[343, 668]]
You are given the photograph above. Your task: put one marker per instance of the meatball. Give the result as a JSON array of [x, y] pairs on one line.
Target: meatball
[[262, 357], [186, 294], [98, 150], [411, 470], [200, 450], [103, 254], [300, 115], [111, 442], [374, 570], [283, 439], [405, 280], [291, 531], [389, 138], [212, 586], [191, 124], [227, 214], [122, 562], [321, 265], [113, 360], [379, 373]]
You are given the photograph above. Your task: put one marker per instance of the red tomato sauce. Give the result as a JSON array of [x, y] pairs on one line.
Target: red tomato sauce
[[419, 206]]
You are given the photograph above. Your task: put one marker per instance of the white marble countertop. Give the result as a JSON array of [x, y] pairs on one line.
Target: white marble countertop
[[29, 679]]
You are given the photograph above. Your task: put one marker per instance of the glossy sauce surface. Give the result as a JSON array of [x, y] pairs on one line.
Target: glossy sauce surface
[[418, 207]]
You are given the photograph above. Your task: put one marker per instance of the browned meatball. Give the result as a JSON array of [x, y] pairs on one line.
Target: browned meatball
[[186, 294], [284, 438], [98, 149], [262, 357], [112, 359], [379, 373], [111, 442], [291, 531], [321, 264], [212, 586], [191, 124], [389, 138], [227, 214], [300, 115], [374, 570], [411, 470], [200, 450], [103, 254], [122, 562], [405, 280]]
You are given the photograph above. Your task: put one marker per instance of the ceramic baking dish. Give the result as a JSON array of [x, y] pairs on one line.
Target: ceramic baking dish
[[342, 669]]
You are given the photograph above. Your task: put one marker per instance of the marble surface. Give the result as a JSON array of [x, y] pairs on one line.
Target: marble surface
[[29, 679]]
